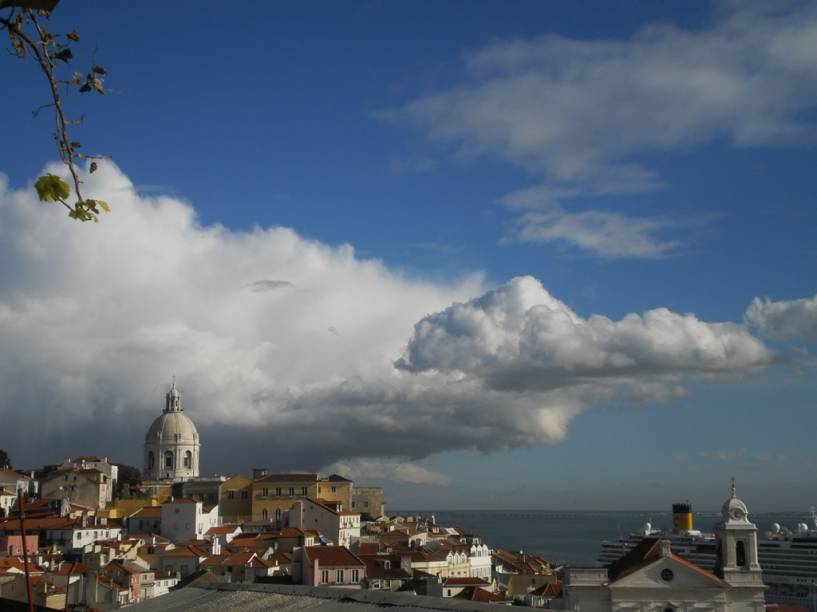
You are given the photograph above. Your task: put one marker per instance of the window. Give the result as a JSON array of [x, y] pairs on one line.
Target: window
[[151, 460], [355, 576], [169, 459], [231, 494], [291, 491], [245, 494], [334, 489], [188, 459], [264, 514], [325, 577], [365, 504], [339, 576], [386, 564], [264, 492], [304, 491], [277, 491], [277, 514], [740, 554], [667, 575]]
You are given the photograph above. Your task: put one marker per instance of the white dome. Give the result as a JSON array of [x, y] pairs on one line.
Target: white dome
[[172, 443], [172, 427], [734, 509]]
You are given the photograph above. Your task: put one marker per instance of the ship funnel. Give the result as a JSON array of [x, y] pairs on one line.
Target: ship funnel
[[681, 517]]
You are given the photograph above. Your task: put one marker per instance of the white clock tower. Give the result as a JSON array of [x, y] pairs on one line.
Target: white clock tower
[[737, 562]]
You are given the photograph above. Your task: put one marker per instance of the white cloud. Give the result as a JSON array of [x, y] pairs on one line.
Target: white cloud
[[94, 319], [391, 470], [583, 114], [784, 319], [521, 337], [606, 234]]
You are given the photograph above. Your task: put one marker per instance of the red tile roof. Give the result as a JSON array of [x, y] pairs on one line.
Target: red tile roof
[[185, 551], [222, 530], [645, 553], [70, 569], [332, 556], [549, 590], [367, 548], [479, 594], [149, 512]]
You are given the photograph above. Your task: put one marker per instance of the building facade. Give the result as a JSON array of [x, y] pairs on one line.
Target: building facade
[[651, 577], [274, 494], [172, 444], [369, 500]]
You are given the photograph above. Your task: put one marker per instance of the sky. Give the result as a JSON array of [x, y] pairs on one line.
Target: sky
[[547, 255]]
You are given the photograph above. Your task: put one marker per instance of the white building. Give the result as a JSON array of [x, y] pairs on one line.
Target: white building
[[329, 518], [172, 443], [7, 501], [78, 535], [479, 562], [652, 578], [186, 519]]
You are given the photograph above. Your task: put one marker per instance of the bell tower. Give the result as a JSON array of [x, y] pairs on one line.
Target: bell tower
[[737, 562]]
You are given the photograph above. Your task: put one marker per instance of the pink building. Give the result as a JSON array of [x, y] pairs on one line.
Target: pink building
[[138, 581], [12, 545], [329, 566]]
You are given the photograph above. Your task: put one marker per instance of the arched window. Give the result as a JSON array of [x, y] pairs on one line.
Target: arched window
[[277, 514], [264, 514], [168, 459], [740, 554], [188, 459], [151, 460]]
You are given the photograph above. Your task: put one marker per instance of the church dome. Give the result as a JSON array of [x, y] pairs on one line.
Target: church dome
[[734, 509], [172, 427], [172, 443]]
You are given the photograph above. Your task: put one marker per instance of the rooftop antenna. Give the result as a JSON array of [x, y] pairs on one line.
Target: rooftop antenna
[[733, 487]]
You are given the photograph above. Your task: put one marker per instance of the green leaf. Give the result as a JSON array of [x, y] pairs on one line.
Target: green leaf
[[95, 205], [51, 188]]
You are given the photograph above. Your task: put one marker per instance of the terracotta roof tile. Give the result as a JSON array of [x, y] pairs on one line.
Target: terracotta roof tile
[[332, 556], [479, 594]]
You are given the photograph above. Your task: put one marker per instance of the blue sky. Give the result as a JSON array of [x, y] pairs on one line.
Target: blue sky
[[377, 124]]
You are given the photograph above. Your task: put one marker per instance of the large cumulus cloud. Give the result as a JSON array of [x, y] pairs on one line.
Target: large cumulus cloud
[[521, 337], [285, 347]]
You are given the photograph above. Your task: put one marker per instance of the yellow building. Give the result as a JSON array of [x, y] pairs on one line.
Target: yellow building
[[337, 489], [274, 494], [127, 506], [235, 504]]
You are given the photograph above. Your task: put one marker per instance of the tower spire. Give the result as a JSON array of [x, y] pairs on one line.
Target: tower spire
[[173, 398], [733, 487]]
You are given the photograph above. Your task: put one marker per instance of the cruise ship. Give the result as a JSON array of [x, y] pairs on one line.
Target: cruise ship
[[787, 557]]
